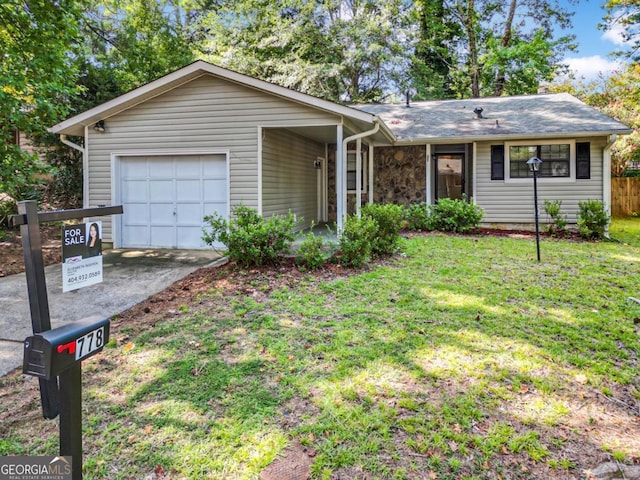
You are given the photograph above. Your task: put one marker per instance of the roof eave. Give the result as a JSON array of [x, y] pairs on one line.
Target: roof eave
[[502, 137]]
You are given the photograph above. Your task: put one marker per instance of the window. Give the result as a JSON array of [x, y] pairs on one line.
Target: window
[[497, 162], [556, 160], [583, 160], [351, 171]]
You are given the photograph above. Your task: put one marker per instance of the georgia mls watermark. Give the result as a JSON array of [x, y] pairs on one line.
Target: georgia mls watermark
[[35, 468]]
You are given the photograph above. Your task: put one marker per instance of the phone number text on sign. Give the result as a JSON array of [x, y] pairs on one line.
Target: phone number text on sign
[[83, 277], [81, 273]]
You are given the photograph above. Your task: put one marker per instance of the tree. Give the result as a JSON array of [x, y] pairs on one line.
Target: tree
[[433, 59], [355, 50], [500, 47], [619, 97], [38, 41], [133, 42], [625, 13]]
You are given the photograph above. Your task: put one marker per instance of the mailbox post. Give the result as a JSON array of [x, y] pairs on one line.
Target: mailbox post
[[52, 355], [59, 353]]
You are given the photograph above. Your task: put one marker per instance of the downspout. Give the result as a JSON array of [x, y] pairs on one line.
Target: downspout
[[63, 139], [606, 176], [343, 193]]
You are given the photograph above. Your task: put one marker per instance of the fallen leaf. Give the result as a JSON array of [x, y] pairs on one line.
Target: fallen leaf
[[433, 475], [131, 439], [311, 437], [504, 450], [524, 388], [581, 378], [128, 347], [148, 429]]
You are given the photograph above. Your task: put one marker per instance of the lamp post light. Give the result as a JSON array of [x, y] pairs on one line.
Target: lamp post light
[[534, 166]]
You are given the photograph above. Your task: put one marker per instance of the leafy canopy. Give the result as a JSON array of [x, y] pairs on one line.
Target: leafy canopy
[[37, 45]]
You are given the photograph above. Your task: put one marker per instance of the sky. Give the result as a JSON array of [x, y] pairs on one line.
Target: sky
[[594, 45]]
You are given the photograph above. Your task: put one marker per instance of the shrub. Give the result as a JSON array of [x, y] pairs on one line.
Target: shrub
[[312, 252], [356, 240], [453, 215], [249, 238], [592, 219], [558, 225], [416, 217], [389, 220]]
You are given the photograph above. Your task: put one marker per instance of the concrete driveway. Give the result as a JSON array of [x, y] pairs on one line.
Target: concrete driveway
[[129, 277]]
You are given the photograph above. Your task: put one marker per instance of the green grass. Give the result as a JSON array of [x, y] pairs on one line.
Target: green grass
[[464, 358], [626, 230]]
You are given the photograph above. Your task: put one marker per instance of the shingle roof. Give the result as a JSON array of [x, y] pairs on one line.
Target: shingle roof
[[558, 114]]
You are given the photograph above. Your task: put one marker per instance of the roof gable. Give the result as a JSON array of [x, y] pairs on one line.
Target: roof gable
[[75, 125]]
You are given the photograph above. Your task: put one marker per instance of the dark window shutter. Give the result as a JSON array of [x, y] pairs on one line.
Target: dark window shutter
[[583, 160], [497, 162]]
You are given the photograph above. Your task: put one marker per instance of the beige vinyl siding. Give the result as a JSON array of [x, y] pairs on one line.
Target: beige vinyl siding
[[206, 114], [505, 202], [289, 179]]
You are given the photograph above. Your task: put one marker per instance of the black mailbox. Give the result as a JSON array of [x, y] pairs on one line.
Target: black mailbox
[[49, 353]]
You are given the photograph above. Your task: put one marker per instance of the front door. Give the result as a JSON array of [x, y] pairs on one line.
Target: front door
[[449, 175]]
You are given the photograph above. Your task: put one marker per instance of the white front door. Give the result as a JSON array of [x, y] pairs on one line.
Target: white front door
[[165, 199]]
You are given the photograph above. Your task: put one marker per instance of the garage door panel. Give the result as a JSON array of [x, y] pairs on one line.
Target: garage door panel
[[163, 237], [188, 191], [134, 236], [165, 199], [162, 214], [189, 214], [189, 168], [135, 191], [134, 167], [160, 190], [137, 213], [190, 237], [161, 168]]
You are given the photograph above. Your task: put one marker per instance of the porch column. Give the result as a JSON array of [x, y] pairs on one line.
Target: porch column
[[339, 179], [371, 173], [428, 176], [606, 175], [358, 176]]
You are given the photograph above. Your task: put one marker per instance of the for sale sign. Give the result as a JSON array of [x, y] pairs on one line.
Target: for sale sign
[[81, 255]]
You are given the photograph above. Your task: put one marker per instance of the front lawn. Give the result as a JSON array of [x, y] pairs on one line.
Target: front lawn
[[626, 230], [462, 358]]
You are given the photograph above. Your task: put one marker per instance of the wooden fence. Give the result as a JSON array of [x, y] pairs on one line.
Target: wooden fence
[[625, 196]]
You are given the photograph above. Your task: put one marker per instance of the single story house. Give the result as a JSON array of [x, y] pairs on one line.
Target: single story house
[[205, 139]]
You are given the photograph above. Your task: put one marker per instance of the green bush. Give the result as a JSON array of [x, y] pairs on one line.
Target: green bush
[[453, 215], [356, 241], [416, 217], [312, 252], [592, 219], [389, 220], [558, 225], [249, 238]]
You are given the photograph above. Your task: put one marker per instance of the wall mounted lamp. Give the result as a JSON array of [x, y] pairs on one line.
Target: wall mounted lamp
[[99, 126]]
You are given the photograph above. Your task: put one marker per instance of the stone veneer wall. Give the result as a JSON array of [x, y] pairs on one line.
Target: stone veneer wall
[[399, 177]]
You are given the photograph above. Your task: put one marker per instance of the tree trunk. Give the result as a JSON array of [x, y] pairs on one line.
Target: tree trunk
[[506, 40]]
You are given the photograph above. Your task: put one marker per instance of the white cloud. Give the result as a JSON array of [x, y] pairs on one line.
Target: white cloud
[[588, 68], [615, 34]]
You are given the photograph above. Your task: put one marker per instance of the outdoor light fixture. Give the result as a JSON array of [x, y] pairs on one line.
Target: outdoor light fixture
[[99, 126], [534, 166], [317, 164]]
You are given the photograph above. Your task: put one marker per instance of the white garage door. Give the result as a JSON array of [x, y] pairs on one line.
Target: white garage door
[[165, 199]]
